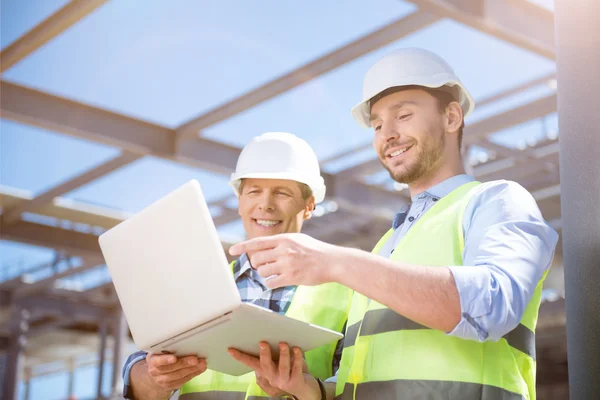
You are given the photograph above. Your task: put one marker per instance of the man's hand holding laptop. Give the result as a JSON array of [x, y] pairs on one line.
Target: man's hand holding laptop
[[288, 376], [168, 371]]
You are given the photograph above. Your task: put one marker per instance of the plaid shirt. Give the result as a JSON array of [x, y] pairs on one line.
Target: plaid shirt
[[253, 290]]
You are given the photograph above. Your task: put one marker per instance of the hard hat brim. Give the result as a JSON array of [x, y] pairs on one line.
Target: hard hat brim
[[362, 111]]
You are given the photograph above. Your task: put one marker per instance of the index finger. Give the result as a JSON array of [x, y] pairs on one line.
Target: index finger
[[256, 244], [246, 359]]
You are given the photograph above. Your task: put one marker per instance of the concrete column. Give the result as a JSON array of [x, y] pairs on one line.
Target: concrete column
[[578, 64]]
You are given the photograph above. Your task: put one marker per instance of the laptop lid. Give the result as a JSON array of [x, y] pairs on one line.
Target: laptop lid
[[169, 268]]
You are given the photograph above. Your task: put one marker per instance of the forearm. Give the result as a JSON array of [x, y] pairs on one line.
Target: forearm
[[426, 295], [313, 390], [330, 390], [143, 386]]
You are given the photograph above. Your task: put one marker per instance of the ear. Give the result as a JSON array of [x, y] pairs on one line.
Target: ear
[[454, 117], [309, 207]]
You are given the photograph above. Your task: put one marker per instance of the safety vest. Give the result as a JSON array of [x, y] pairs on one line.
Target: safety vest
[[325, 305], [387, 356]]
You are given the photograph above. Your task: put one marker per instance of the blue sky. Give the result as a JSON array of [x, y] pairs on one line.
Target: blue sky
[[167, 62]]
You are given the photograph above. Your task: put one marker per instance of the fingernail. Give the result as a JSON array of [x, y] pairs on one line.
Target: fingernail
[[193, 361], [263, 346]]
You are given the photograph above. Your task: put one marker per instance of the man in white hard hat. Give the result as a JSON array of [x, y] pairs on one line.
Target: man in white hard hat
[[446, 304], [278, 182]]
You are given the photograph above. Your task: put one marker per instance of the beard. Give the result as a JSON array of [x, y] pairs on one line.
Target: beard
[[429, 152]]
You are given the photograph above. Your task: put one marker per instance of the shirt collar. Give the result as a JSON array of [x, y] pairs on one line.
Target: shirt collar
[[241, 266], [445, 187], [436, 192]]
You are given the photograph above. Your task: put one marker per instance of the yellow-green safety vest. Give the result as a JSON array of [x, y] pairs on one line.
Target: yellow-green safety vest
[[387, 356], [325, 305]]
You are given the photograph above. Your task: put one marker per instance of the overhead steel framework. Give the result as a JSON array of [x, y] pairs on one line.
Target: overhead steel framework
[[32, 311]]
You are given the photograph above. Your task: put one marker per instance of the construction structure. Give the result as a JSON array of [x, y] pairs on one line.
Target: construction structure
[[52, 324]]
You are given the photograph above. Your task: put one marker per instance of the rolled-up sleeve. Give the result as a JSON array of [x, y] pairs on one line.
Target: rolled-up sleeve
[[508, 248], [129, 363]]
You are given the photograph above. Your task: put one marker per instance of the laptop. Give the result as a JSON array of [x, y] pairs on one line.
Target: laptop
[[177, 289]]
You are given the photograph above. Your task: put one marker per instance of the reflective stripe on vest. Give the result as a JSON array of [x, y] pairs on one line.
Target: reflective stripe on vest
[[214, 395], [385, 320], [325, 305], [388, 356], [403, 389]]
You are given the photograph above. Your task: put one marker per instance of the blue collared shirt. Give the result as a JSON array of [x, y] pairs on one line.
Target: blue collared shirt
[[508, 248]]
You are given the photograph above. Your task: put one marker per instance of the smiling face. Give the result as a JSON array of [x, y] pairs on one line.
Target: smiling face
[[410, 135], [272, 206]]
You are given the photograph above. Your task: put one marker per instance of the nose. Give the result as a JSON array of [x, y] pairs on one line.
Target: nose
[[389, 131], [266, 202]]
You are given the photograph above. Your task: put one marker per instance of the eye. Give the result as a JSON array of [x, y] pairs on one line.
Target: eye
[[283, 194], [253, 191], [404, 116], [377, 127]]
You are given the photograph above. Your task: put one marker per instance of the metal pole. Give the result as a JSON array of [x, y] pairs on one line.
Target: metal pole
[[102, 357], [119, 335], [20, 326], [71, 364], [27, 382], [578, 63]]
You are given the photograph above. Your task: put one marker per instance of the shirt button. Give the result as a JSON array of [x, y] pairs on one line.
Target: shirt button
[[411, 219], [435, 199]]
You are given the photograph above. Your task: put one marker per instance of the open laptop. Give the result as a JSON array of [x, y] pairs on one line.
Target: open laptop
[[178, 292]]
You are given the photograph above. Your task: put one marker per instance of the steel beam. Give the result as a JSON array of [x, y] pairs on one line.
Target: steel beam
[[72, 242], [519, 22], [516, 116], [14, 213], [44, 284], [388, 34], [48, 29], [65, 209], [515, 172], [50, 112], [544, 80], [514, 158], [55, 306]]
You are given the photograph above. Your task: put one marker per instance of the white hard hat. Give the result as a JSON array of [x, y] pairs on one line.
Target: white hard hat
[[279, 155], [408, 67]]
